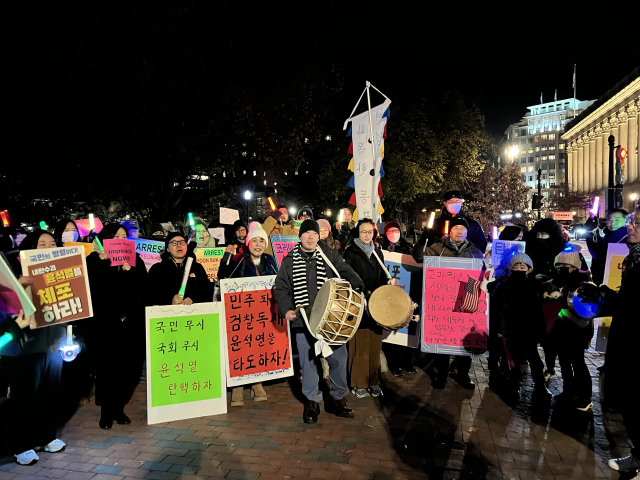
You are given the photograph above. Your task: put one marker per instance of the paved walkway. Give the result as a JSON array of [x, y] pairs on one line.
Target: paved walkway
[[411, 432]]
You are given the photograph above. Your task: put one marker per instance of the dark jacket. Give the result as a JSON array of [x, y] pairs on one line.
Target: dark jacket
[[343, 235], [475, 234], [447, 249], [402, 246], [598, 247], [165, 279], [284, 281], [368, 269], [241, 265], [518, 310]]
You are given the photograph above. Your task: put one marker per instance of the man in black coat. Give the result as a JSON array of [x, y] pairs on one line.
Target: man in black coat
[[302, 273], [452, 210]]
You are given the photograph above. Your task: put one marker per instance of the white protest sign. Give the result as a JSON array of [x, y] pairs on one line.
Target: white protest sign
[[228, 216], [218, 234], [502, 251]]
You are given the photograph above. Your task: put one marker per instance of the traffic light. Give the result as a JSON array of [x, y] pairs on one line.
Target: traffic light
[[536, 202], [621, 155]]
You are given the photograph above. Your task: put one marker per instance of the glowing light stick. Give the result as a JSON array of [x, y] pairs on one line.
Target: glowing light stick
[[431, 219], [43, 225], [341, 216], [191, 220], [92, 222], [446, 228], [495, 233], [6, 221], [99, 244], [6, 338], [273, 207], [185, 277], [594, 210]]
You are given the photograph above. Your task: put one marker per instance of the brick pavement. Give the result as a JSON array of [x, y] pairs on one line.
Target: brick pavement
[[412, 432]]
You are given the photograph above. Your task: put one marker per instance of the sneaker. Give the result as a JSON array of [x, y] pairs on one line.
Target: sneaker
[[398, 372], [54, 446], [27, 458], [625, 464], [375, 391], [584, 406], [360, 392]]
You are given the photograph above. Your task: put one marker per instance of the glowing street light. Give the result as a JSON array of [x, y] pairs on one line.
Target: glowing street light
[[247, 195], [292, 210], [633, 196]]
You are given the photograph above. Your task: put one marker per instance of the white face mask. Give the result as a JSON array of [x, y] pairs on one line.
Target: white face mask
[[69, 236], [454, 208], [393, 237]]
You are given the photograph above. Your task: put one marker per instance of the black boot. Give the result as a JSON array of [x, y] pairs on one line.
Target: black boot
[[339, 408], [311, 412], [121, 418]]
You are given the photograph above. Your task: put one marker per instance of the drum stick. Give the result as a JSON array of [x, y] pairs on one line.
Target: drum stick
[[382, 265], [185, 277]]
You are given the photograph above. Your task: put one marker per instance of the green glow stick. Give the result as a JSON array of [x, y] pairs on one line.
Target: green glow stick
[[99, 244], [6, 338], [182, 289], [190, 219], [43, 225]]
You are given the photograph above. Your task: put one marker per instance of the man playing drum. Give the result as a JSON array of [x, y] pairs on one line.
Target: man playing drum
[[303, 271]]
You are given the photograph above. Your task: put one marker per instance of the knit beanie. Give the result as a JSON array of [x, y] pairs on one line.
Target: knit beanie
[[322, 223], [455, 221], [171, 236], [391, 223], [256, 230], [569, 257], [308, 225], [520, 258]]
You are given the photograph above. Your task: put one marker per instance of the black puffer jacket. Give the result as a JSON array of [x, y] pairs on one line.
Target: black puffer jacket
[[368, 269], [165, 279], [475, 234], [518, 310]]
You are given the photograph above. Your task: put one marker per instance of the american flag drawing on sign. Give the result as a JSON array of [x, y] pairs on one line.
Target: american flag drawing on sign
[[471, 296]]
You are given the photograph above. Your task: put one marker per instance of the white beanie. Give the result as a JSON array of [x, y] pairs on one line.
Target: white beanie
[[569, 257], [256, 230], [520, 258]]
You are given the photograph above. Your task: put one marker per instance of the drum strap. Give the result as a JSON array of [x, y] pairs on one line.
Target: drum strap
[[321, 347], [327, 261]]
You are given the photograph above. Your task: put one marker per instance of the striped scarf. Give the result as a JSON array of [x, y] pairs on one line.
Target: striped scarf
[[300, 294]]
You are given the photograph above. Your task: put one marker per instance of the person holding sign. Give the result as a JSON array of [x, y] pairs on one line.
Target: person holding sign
[[241, 229], [302, 273], [392, 240], [279, 223], [34, 372], [365, 346], [622, 352], [614, 232], [65, 230], [119, 296], [453, 245], [166, 277]]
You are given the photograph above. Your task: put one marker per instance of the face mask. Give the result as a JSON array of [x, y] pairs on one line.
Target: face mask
[[69, 236], [393, 237], [159, 238], [454, 208], [519, 274], [563, 272]]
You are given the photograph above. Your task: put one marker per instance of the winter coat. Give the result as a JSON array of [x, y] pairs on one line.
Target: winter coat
[[344, 234], [598, 247], [165, 280], [401, 246], [284, 281], [622, 356], [275, 227], [475, 234], [446, 249], [241, 265], [517, 310]]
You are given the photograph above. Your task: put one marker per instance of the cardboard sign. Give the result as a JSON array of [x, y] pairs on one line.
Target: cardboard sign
[[228, 216], [60, 285], [282, 245], [502, 251], [257, 337], [563, 216], [408, 273], [120, 251], [149, 251], [455, 311], [87, 247], [13, 297], [84, 226], [210, 259], [185, 362], [218, 234], [616, 253]]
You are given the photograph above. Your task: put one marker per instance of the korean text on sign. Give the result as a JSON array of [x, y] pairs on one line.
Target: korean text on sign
[[455, 308], [185, 359], [257, 336]]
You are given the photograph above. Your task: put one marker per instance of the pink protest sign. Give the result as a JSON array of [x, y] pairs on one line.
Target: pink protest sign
[[84, 227], [455, 308], [120, 251]]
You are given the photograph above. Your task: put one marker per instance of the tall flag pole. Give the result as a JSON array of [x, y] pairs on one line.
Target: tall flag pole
[[574, 84]]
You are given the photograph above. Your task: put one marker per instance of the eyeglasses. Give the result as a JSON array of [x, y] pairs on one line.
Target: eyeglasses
[[634, 224], [177, 243], [451, 201]]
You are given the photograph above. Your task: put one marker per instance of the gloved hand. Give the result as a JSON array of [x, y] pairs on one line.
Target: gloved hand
[[276, 214], [606, 291]]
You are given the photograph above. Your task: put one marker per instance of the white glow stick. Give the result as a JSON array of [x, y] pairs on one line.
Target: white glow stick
[[185, 277]]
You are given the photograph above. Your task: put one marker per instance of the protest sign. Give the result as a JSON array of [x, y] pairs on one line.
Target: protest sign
[[120, 251], [502, 251], [60, 283], [149, 251], [257, 337], [228, 216], [408, 273], [13, 297], [185, 362], [455, 310], [210, 259], [87, 247], [282, 245], [218, 234], [84, 226], [616, 253]]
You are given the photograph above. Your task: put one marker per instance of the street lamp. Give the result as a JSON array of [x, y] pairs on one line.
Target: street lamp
[[292, 210], [328, 213], [247, 198]]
